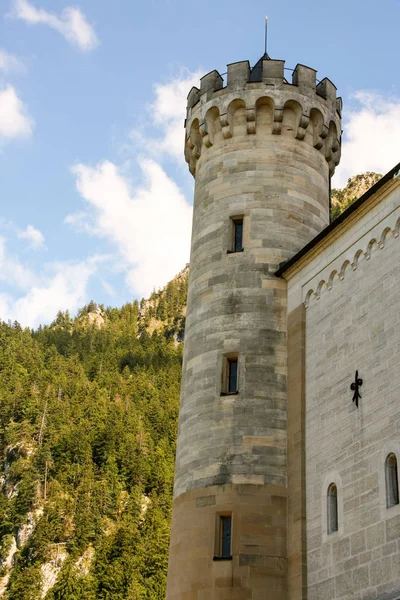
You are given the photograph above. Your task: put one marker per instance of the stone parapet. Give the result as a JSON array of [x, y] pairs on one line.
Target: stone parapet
[[310, 111]]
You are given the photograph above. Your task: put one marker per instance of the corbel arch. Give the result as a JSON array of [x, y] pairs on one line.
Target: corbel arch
[[265, 107], [343, 269], [371, 244], [317, 129], [236, 113], [356, 258], [213, 126], [193, 145], [292, 112]]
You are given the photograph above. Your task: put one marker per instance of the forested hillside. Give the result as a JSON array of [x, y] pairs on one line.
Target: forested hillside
[[88, 422]]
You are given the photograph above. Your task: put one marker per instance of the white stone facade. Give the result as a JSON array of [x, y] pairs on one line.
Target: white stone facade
[[350, 286]]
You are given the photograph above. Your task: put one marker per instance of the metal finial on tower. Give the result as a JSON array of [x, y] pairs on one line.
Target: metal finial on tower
[[266, 35]]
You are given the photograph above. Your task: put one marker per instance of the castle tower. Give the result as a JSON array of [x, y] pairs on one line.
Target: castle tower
[[262, 151]]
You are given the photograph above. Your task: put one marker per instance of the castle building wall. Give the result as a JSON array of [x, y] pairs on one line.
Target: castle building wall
[[260, 152], [348, 288]]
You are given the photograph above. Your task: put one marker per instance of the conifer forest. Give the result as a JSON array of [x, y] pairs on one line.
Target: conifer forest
[[88, 421]]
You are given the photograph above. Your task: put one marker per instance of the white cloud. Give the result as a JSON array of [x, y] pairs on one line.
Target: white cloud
[[12, 271], [150, 225], [66, 289], [71, 23], [37, 297], [10, 63], [108, 288], [33, 236], [15, 120], [371, 136], [167, 113]]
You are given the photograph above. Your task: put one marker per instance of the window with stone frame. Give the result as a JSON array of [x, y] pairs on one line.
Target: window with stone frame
[[223, 542], [332, 509], [236, 244], [392, 480], [230, 374]]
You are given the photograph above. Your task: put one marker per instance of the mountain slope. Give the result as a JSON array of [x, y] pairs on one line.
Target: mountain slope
[[88, 421], [355, 188]]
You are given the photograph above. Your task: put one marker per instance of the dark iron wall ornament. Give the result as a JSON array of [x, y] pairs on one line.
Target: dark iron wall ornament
[[355, 387]]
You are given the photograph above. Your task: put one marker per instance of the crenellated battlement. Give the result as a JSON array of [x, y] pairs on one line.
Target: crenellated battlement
[[260, 101]]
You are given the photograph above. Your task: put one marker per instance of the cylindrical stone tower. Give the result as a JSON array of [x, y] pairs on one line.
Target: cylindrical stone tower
[[262, 151]]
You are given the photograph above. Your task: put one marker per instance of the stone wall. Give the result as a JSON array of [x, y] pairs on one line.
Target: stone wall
[[351, 288], [258, 564], [261, 158], [261, 151]]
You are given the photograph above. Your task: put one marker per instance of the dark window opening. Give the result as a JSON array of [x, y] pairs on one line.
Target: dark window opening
[[332, 508], [226, 526], [224, 544], [392, 481], [232, 375], [238, 235]]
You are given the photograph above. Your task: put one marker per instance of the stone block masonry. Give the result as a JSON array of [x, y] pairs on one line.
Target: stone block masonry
[[352, 324], [261, 150], [356, 325]]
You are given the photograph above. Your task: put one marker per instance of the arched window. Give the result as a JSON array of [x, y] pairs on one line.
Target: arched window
[[332, 508], [392, 481]]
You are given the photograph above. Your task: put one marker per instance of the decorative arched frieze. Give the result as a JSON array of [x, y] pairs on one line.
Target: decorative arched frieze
[[371, 244], [251, 120], [193, 146], [225, 126], [308, 118], [292, 113], [278, 118], [319, 129], [332, 146], [343, 269], [236, 115], [340, 270], [264, 111], [303, 124], [319, 289], [385, 233], [211, 126], [308, 298], [331, 278], [356, 258]]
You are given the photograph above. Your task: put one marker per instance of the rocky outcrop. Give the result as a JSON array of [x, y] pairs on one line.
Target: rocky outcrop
[[355, 188], [7, 561], [25, 531], [51, 569], [84, 562]]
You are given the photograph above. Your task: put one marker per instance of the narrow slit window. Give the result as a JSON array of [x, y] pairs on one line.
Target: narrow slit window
[[332, 508], [392, 481], [232, 375], [237, 235], [225, 536]]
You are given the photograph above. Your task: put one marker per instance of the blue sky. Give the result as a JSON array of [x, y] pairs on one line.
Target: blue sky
[[95, 194]]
